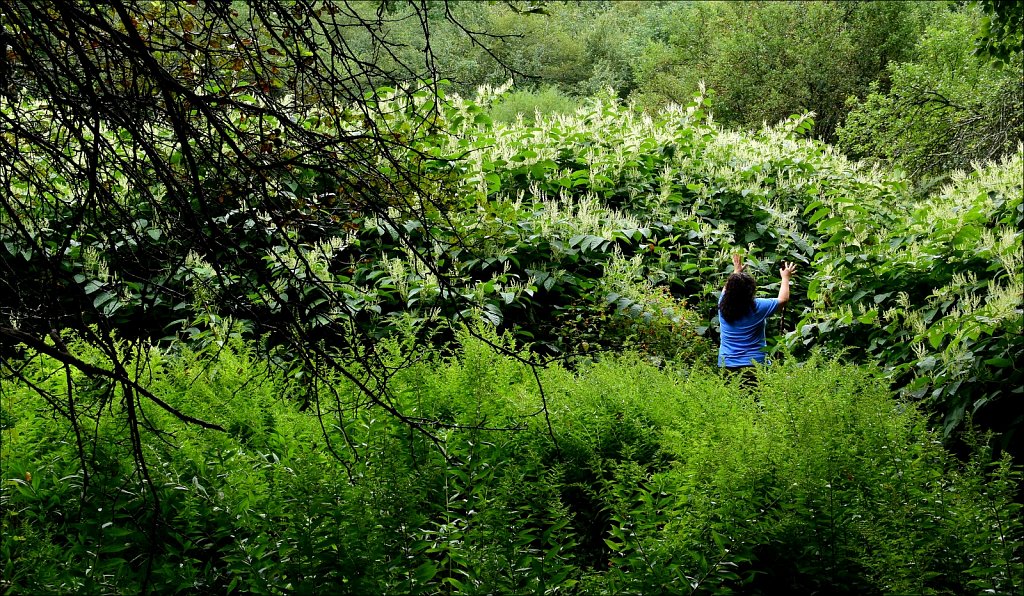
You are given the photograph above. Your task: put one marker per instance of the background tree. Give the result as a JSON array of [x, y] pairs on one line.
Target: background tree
[[947, 107], [765, 60], [769, 60]]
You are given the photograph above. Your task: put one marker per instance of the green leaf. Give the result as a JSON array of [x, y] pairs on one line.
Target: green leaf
[[719, 540], [454, 582], [102, 299], [115, 548], [869, 317], [424, 573], [818, 215], [493, 182]]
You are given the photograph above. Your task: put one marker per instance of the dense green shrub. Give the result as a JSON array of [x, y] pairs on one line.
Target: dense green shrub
[[935, 297], [768, 60], [634, 479], [528, 104]]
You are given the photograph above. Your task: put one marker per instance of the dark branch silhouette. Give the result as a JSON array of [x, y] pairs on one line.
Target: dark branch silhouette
[[168, 168]]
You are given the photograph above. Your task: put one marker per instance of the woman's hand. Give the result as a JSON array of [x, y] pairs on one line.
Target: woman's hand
[[737, 263], [787, 271]]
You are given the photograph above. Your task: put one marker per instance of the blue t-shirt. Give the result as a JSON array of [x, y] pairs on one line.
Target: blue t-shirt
[[743, 340]]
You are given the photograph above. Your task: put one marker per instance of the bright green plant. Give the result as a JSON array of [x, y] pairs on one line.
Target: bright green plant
[[934, 297], [632, 478]]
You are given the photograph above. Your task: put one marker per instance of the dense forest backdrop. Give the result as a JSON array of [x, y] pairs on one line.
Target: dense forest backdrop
[[419, 297]]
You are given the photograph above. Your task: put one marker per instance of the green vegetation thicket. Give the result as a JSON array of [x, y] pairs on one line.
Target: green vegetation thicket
[[642, 480], [271, 327]]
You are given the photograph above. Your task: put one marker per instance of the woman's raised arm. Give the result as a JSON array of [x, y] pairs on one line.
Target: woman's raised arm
[[787, 271]]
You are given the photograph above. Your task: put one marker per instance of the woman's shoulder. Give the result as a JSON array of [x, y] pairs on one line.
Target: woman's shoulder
[[766, 305]]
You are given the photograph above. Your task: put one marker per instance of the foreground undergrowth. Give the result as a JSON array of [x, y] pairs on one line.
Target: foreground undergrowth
[[648, 480]]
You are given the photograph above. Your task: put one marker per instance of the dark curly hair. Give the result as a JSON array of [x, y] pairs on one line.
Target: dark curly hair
[[738, 300]]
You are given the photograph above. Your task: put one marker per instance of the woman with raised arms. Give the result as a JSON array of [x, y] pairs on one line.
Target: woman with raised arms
[[744, 317]]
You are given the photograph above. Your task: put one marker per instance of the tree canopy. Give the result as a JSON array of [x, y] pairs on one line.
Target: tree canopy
[[945, 108]]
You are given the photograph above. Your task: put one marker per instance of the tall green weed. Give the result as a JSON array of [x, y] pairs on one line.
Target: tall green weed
[[620, 477]]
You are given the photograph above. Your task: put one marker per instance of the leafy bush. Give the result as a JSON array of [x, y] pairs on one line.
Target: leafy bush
[[934, 296], [525, 104], [768, 60]]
